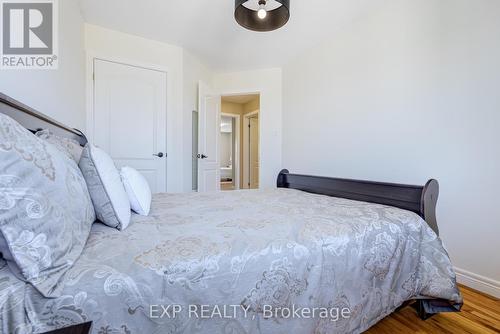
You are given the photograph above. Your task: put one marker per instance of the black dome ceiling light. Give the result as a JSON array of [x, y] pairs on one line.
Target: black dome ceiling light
[[262, 15]]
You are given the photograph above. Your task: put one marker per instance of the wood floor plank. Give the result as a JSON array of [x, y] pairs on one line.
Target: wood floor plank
[[480, 315]]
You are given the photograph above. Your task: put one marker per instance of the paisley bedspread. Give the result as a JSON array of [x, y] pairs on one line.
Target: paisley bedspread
[[246, 256]]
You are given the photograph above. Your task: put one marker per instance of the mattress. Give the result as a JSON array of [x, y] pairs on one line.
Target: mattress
[[253, 254]]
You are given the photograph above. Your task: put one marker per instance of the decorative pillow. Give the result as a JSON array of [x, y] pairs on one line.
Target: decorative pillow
[[68, 146], [110, 200], [138, 191], [45, 209]]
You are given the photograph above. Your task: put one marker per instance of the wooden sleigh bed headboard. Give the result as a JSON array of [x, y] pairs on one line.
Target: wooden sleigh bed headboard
[[34, 120], [419, 199]]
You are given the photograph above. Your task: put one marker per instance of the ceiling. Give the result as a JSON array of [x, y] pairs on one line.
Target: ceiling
[[207, 28], [240, 99]]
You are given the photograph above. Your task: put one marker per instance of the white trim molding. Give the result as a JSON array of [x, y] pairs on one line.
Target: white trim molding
[[478, 282]]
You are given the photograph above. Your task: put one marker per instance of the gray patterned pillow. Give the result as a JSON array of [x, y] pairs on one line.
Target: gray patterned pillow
[[45, 209], [68, 146]]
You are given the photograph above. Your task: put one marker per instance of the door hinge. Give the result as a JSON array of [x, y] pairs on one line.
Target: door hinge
[[93, 76]]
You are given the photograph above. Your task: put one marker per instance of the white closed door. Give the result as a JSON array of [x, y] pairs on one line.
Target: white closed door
[[208, 140], [130, 118]]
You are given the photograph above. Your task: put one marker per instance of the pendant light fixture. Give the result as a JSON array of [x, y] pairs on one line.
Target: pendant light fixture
[[262, 15]]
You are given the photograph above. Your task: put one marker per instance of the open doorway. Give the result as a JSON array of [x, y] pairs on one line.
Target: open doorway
[[226, 141], [239, 142], [229, 151]]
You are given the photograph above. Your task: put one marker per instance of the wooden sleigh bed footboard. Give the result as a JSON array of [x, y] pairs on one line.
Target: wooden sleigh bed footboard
[[419, 199]]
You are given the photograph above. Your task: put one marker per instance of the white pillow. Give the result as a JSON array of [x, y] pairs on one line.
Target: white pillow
[[108, 195], [137, 189]]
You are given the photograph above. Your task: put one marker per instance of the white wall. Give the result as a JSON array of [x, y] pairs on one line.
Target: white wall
[[409, 93], [59, 93], [193, 72], [268, 83], [113, 45]]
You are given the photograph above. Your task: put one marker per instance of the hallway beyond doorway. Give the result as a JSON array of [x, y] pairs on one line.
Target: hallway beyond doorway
[[239, 142]]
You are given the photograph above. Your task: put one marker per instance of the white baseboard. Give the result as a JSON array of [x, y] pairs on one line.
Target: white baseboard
[[478, 282]]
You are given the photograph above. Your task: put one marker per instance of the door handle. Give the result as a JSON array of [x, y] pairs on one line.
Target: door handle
[[159, 155], [202, 156]]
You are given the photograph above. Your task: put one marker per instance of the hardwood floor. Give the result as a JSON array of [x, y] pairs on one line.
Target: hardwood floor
[[480, 314], [226, 186]]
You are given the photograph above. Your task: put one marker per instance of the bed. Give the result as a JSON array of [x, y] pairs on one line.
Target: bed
[[254, 261]]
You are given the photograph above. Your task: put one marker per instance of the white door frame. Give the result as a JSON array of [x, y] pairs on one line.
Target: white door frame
[[90, 98], [260, 111], [246, 147], [237, 141]]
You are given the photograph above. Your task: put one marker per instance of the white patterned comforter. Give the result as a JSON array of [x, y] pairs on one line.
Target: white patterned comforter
[[257, 249]]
